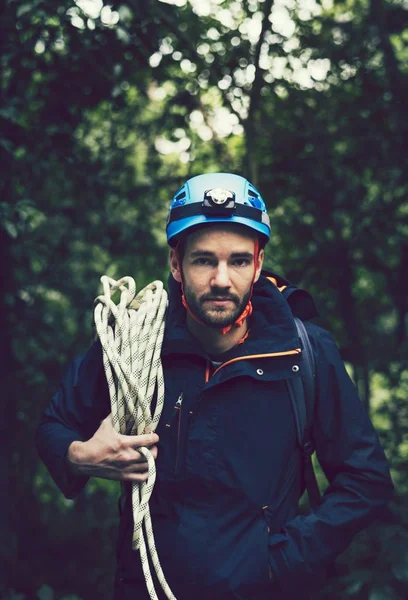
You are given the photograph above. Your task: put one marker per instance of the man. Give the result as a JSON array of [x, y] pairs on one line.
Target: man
[[229, 469]]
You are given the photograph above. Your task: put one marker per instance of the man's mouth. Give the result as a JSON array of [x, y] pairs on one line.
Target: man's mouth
[[219, 301]]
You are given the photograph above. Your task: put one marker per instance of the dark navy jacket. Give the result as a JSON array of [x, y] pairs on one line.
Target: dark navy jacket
[[224, 507]]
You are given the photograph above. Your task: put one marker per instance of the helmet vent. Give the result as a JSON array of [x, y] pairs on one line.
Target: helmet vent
[[180, 196], [253, 194]]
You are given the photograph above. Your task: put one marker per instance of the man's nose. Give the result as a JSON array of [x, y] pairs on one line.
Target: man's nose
[[221, 276]]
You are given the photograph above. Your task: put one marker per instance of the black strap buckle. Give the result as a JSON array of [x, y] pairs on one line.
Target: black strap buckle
[[308, 449]]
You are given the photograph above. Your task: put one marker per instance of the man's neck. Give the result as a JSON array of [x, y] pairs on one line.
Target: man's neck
[[212, 339]]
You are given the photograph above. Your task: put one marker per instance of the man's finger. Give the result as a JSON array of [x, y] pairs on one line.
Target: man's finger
[[141, 458], [145, 439], [135, 468], [134, 476]]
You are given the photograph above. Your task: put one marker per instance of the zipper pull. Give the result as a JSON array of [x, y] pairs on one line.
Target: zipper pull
[[176, 409]]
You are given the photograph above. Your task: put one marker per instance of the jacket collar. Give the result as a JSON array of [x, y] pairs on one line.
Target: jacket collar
[[272, 328]]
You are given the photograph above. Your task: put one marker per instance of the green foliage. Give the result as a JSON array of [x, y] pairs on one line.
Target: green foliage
[[105, 110]]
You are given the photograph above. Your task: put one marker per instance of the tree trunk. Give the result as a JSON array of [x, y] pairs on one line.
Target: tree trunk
[[251, 123], [7, 372], [349, 313]]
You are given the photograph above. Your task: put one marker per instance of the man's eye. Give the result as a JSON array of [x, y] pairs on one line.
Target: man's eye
[[202, 261], [241, 262]]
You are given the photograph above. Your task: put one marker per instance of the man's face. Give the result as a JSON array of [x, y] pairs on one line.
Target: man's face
[[218, 270]]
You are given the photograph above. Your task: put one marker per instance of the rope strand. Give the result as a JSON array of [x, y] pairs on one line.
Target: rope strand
[[131, 334]]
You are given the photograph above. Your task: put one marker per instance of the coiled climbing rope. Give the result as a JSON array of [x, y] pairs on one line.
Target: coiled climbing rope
[[131, 334]]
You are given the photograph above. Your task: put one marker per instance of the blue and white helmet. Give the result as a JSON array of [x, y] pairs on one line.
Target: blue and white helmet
[[217, 198]]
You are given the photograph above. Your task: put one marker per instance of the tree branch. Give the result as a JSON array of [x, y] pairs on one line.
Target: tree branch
[[215, 74]]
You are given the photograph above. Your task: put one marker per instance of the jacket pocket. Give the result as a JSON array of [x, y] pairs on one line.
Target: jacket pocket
[[253, 576]]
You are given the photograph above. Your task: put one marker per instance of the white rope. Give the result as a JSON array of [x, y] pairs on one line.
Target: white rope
[[131, 334]]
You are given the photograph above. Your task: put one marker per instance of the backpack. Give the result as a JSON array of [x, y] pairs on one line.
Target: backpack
[[302, 390]]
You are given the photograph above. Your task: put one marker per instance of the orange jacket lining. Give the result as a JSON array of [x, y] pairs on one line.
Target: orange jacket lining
[[251, 356]]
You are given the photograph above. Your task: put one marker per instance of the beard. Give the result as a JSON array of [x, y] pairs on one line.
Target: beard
[[216, 317]]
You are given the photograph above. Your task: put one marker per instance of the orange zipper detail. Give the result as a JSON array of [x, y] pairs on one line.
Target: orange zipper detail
[[207, 371], [286, 353]]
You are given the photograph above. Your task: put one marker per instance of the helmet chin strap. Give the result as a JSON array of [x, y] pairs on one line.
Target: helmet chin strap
[[246, 313]]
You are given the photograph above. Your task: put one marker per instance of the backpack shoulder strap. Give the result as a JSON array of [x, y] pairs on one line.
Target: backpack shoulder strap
[[302, 390], [302, 393], [308, 381]]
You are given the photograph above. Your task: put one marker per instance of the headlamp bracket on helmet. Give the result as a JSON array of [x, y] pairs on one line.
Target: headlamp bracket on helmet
[[218, 201]]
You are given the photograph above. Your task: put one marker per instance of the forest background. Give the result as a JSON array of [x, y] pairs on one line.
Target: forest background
[[105, 110]]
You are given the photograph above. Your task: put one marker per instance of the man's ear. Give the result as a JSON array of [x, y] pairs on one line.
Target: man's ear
[[174, 265], [259, 265]]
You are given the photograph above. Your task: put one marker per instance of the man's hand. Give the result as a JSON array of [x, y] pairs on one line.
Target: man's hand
[[110, 455]]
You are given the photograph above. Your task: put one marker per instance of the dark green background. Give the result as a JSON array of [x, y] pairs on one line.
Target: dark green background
[[84, 192]]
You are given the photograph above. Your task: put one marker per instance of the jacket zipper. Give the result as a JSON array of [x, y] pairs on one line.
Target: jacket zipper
[[176, 410], [176, 414]]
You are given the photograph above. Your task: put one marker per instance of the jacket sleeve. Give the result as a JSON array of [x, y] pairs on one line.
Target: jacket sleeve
[[74, 413], [354, 463]]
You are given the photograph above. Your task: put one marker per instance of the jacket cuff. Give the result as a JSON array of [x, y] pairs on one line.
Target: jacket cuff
[[53, 449], [71, 484]]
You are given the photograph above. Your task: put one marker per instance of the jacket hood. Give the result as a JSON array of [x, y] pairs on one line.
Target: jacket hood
[[272, 329]]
